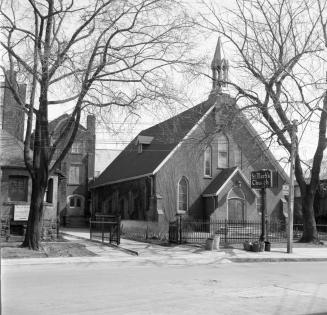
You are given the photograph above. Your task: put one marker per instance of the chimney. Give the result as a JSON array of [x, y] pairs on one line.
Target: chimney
[[90, 124], [12, 113]]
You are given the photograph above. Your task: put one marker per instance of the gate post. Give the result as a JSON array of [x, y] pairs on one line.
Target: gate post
[[180, 229], [226, 231], [102, 230]]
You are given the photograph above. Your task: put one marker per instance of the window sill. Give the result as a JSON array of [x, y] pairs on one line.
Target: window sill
[[181, 212], [207, 177]]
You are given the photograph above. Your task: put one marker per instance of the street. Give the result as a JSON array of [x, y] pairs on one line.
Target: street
[[154, 288]]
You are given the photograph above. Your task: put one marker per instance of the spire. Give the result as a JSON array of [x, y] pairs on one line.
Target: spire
[[216, 61], [219, 67]]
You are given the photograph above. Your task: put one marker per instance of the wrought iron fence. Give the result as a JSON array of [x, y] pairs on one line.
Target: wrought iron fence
[[105, 228], [233, 232]]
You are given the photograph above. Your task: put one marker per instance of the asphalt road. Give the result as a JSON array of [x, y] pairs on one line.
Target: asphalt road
[[129, 288]]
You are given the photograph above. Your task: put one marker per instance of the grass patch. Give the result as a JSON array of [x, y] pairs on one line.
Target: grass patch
[[12, 250]]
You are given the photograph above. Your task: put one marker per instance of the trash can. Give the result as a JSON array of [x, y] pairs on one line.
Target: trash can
[[209, 243], [216, 241], [267, 246]]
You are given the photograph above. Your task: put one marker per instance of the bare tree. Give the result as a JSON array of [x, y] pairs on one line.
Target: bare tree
[[279, 56], [91, 53]]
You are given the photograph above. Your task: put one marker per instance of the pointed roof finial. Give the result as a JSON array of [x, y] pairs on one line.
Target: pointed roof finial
[[217, 58], [219, 67]]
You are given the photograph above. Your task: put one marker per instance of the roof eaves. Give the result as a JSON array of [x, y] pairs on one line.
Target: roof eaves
[[121, 180], [186, 137], [265, 149]]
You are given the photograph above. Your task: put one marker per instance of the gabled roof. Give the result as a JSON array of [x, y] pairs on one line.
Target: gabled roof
[[167, 135], [219, 182], [53, 124]]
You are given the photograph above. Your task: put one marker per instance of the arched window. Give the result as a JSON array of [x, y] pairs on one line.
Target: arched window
[[183, 191], [75, 201], [207, 162], [222, 151]]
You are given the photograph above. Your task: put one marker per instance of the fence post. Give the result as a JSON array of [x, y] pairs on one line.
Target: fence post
[[267, 231], [226, 231], [90, 221], [180, 229], [102, 230], [118, 230]]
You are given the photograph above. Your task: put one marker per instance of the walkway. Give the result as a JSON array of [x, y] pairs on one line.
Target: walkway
[[146, 253]]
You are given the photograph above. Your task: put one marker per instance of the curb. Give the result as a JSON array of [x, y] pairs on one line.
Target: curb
[[272, 259]]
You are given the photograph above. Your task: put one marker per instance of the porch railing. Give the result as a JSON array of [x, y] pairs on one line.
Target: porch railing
[[105, 228]]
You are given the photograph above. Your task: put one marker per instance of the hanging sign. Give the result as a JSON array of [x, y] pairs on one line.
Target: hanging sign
[[261, 179]]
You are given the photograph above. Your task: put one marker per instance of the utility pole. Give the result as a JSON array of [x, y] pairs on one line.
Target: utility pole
[[291, 190], [263, 235]]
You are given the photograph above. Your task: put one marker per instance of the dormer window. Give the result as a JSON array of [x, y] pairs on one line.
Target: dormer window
[[141, 142]]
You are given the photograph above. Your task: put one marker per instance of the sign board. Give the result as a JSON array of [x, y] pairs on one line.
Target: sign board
[[21, 212], [261, 179], [286, 190]]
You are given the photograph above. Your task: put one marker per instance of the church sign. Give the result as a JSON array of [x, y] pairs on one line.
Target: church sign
[[261, 179]]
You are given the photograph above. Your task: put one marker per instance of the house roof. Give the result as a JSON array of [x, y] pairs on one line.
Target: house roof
[[167, 135], [219, 182], [11, 150]]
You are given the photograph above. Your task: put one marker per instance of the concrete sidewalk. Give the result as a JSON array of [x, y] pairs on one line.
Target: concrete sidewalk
[[143, 253]]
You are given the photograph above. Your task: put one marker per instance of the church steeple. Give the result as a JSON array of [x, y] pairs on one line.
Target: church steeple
[[219, 67]]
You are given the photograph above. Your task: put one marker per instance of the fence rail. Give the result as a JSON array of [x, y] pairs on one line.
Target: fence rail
[[105, 228], [234, 232]]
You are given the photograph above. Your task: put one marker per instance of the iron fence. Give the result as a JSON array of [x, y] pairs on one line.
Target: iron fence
[[105, 228], [234, 232]]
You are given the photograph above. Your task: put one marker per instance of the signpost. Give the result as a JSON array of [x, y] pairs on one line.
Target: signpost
[[262, 179]]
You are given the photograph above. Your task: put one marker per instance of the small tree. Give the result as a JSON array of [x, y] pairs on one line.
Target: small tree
[[279, 45], [92, 53]]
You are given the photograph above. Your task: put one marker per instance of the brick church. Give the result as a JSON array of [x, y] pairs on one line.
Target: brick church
[[196, 164]]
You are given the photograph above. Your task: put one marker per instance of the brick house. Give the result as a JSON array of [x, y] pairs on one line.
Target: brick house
[[15, 183], [196, 164], [77, 169]]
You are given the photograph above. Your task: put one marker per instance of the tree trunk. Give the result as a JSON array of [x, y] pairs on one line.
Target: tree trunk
[[32, 236], [310, 233]]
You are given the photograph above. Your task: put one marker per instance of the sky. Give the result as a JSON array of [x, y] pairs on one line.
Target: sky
[[118, 129]]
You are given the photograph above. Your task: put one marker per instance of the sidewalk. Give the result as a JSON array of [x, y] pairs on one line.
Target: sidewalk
[[143, 253]]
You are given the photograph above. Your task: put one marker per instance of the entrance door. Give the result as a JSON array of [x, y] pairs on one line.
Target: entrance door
[[236, 209]]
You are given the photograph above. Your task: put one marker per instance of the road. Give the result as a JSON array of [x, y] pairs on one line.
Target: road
[[131, 288]]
